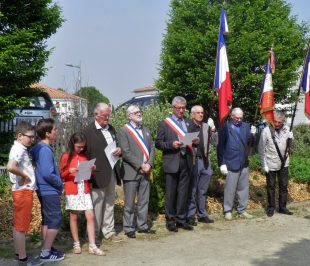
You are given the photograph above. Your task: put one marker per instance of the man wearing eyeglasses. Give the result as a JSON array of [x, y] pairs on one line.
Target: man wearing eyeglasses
[[99, 134], [138, 158], [232, 152], [177, 162]]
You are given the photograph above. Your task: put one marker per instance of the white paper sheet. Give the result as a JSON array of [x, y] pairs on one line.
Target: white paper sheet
[[84, 172], [188, 138], [109, 153]]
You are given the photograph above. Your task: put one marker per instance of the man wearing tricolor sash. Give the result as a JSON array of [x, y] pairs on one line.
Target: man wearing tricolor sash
[[177, 163], [138, 158]]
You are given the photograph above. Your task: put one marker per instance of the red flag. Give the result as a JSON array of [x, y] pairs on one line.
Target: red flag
[[267, 97], [305, 84], [222, 76]]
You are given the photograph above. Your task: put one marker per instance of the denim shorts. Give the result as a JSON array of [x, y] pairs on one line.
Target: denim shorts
[[51, 211]]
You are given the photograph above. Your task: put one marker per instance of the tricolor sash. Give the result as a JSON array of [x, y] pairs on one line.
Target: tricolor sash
[[175, 126], [139, 140]]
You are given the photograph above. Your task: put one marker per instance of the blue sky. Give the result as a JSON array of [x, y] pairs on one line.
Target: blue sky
[[117, 43]]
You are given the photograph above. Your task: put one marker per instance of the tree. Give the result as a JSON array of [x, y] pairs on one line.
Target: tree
[[93, 97], [189, 50], [24, 28]]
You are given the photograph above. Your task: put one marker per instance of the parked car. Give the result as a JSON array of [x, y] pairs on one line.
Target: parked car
[[141, 100], [40, 106]]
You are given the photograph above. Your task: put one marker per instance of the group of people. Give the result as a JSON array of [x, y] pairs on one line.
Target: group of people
[[187, 171]]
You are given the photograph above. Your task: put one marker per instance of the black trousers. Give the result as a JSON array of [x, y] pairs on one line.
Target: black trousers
[[176, 194], [271, 176]]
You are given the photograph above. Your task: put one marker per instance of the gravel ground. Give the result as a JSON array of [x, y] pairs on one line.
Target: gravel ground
[[279, 240]]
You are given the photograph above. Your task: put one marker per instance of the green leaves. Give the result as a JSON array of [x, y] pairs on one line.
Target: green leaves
[[189, 50], [24, 28]]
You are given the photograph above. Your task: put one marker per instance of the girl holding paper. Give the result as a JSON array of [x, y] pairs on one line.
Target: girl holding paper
[[77, 194]]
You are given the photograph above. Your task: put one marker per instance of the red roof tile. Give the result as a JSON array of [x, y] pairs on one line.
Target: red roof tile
[[55, 93]]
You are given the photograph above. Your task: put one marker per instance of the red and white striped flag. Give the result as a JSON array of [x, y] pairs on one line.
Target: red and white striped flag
[[222, 76], [305, 84], [266, 96]]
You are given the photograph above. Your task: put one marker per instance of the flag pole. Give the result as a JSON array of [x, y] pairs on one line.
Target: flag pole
[[295, 107], [209, 129], [299, 88]]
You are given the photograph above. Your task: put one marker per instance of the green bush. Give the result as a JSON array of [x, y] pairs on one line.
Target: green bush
[[6, 141], [5, 186], [152, 115], [299, 169], [157, 197], [301, 140]]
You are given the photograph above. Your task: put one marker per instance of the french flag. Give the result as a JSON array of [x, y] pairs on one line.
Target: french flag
[[305, 84], [222, 81], [266, 96]]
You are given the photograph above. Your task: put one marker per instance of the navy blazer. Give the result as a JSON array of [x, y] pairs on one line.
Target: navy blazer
[[230, 150]]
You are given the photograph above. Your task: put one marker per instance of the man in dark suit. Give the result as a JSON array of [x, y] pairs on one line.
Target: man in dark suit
[[138, 158], [177, 162], [99, 134], [233, 160], [202, 171]]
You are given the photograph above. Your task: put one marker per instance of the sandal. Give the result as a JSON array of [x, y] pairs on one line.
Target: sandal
[[92, 249], [77, 248]]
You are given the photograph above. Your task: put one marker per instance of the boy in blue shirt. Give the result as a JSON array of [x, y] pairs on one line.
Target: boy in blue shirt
[[49, 188]]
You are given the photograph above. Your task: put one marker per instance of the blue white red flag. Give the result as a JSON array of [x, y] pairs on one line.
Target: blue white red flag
[[266, 96], [222, 81], [305, 84]]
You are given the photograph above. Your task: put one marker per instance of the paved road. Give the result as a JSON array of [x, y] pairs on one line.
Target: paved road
[[280, 240]]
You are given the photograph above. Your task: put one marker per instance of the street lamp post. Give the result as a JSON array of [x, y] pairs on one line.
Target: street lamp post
[[79, 83]]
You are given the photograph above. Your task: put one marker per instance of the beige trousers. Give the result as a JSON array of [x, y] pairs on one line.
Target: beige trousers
[[103, 201]]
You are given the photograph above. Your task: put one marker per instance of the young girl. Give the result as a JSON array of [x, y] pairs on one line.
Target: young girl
[[77, 195]]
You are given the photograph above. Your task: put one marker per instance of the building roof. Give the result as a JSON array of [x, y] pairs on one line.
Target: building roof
[[145, 89], [55, 93]]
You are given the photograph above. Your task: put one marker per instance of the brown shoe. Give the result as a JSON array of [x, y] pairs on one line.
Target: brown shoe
[[115, 239]]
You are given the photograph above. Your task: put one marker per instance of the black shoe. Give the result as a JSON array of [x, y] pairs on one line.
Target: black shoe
[[270, 213], [171, 227], [205, 220], [185, 226], [131, 234], [285, 211], [147, 231], [191, 221]]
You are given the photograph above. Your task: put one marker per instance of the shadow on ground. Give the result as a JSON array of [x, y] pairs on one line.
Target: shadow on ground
[[297, 254]]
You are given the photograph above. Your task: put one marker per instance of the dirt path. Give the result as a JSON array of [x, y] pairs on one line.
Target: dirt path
[[280, 240]]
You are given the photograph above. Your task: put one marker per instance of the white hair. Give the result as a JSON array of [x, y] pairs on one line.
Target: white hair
[[195, 107], [131, 109], [236, 110], [178, 99], [100, 107], [279, 114]]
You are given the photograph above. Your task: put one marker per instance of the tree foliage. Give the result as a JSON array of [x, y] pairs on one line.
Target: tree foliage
[[24, 27], [189, 50], [93, 97]]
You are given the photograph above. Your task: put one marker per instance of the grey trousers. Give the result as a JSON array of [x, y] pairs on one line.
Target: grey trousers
[[198, 192], [236, 182], [103, 201], [141, 188]]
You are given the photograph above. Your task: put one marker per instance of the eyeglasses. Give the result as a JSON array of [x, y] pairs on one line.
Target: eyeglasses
[[180, 108], [29, 136], [136, 113]]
